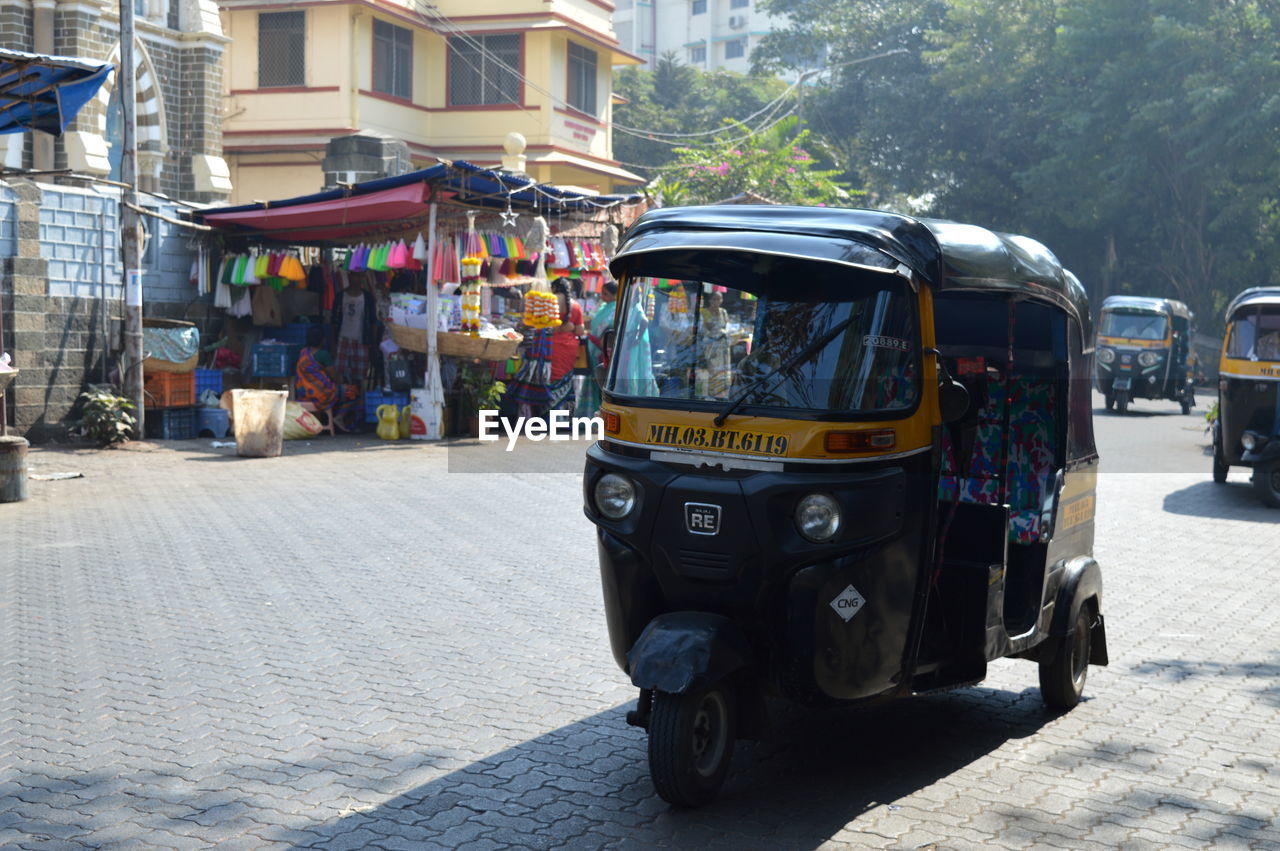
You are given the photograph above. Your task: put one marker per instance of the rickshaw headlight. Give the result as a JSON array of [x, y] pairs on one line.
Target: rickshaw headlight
[[615, 496], [1252, 441], [1106, 355], [818, 517], [1148, 358]]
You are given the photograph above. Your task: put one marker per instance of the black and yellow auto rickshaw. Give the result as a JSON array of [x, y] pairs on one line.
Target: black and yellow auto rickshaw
[[892, 487], [1144, 351], [1247, 429]]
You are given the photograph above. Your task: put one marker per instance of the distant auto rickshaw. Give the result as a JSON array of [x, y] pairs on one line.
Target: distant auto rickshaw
[[1144, 352], [894, 487], [1247, 429]]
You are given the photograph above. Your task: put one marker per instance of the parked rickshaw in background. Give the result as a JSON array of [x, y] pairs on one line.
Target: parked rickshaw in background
[[892, 489], [1145, 352], [1247, 430]]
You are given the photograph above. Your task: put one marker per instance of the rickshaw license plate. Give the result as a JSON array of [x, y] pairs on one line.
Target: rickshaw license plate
[[722, 439], [1122, 383]]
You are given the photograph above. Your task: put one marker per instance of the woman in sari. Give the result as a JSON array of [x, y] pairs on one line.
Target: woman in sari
[[545, 380], [589, 404], [314, 385]]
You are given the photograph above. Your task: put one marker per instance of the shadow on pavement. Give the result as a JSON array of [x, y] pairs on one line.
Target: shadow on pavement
[[1136, 413], [1263, 674], [587, 784], [1233, 500]]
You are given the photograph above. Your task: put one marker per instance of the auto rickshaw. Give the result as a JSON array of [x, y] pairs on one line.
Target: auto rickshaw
[[1144, 351], [1247, 430], [892, 488]]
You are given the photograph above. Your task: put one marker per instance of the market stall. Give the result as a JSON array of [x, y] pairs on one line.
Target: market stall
[[418, 283]]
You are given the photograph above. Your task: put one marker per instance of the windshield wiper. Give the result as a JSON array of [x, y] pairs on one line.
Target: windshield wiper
[[791, 363]]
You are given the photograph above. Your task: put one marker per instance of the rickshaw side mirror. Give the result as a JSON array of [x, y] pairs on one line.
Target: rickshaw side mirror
[[606, 342], [953, 401]]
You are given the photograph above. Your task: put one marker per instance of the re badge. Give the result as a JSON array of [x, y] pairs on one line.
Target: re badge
[[848, 603]]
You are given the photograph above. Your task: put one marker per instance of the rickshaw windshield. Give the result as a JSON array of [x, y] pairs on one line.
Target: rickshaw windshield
[[822, 344], [1134, 326], [1254, 334]]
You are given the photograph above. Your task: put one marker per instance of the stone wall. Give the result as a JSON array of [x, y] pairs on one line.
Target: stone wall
[[61, 294]]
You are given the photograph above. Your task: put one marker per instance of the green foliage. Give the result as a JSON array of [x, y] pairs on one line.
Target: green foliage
[[1137, 139], [675, 98], [774, 165], [479, 390], [105, 417]]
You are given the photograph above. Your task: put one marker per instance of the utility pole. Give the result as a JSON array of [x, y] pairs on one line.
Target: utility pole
[[130, 236]]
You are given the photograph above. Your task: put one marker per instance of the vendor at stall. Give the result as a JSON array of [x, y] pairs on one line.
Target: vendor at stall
[[314, 384], [545, 380]]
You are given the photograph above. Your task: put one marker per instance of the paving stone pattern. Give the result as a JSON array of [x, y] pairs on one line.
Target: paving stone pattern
[[350, 647]]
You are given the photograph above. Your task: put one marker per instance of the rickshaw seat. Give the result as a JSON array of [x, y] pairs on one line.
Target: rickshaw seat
[[981, 483]]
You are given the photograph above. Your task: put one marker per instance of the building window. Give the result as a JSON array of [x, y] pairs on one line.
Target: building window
[[698, 7], [392, 60], [739, 4], [483, 70], [281, 49], [582, 79], [698, 54], [735, 49]]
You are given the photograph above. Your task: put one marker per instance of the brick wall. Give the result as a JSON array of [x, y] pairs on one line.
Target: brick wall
[[51, 293]]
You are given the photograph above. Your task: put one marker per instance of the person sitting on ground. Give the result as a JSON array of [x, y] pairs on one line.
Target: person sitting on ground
[[315, 384]]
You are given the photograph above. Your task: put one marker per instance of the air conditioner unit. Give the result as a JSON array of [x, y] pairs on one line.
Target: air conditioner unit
[[737, 22]]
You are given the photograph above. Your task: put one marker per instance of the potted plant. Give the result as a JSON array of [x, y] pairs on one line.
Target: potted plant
[[478, 390], [106, 417]]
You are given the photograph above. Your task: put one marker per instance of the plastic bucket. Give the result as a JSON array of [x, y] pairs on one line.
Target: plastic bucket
[[259, 422]]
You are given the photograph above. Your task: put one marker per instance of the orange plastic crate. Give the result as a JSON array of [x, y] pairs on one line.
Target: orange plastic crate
[[169, 389]]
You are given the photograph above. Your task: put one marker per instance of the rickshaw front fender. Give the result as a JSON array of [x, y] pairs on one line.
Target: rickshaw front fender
[[1081, 581], [683, 651]]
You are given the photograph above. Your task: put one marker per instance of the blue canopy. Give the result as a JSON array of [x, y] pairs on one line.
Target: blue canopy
[[45, 92]]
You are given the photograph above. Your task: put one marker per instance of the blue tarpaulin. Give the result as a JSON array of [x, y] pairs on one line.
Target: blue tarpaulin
[[45, 92]]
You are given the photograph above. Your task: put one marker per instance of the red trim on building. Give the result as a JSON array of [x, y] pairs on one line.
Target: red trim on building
[[581, 116], [286, 90], [396, 100], [315, 163]]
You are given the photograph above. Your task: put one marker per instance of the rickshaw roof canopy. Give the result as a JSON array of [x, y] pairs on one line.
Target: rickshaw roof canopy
[[946, 255], [1147, 303], [1252, 296]]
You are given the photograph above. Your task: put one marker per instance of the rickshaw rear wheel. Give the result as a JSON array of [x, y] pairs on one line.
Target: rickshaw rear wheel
[[690, 744], [1063, 675], [1266, 481]]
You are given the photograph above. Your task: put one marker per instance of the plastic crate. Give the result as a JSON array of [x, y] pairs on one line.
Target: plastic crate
[[293, 333], [208, 379], [274, 361], [171, 424], [374, 399], [216, 421], [169, 389]]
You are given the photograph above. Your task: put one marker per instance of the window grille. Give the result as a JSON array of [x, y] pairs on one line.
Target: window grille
[[735, 49], [582, 79], [392, 60], [483, 68], [281, 49]]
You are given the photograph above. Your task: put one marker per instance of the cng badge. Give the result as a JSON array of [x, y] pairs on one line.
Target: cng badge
[[702, 518], [848, 603]]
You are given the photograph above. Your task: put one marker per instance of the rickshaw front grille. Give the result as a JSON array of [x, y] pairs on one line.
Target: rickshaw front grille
[[699, 562]]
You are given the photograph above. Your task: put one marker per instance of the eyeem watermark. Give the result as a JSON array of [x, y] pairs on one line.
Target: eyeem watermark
[[556, 426]]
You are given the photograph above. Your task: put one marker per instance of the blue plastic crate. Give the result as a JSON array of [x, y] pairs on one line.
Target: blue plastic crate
[[208, 379], [274, 361], [216, 421], [293, 333], [171, 424], [374, 399]]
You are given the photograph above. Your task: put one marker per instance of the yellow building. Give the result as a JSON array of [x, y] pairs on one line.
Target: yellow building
[[450, 78]]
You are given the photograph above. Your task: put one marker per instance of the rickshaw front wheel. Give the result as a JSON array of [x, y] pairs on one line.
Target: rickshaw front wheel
[[1266, 481], [690, 744], [1122, 402], [1062, 676], [1111, 400]]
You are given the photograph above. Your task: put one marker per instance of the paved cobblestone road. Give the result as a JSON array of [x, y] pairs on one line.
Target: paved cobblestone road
[[353, 647]]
